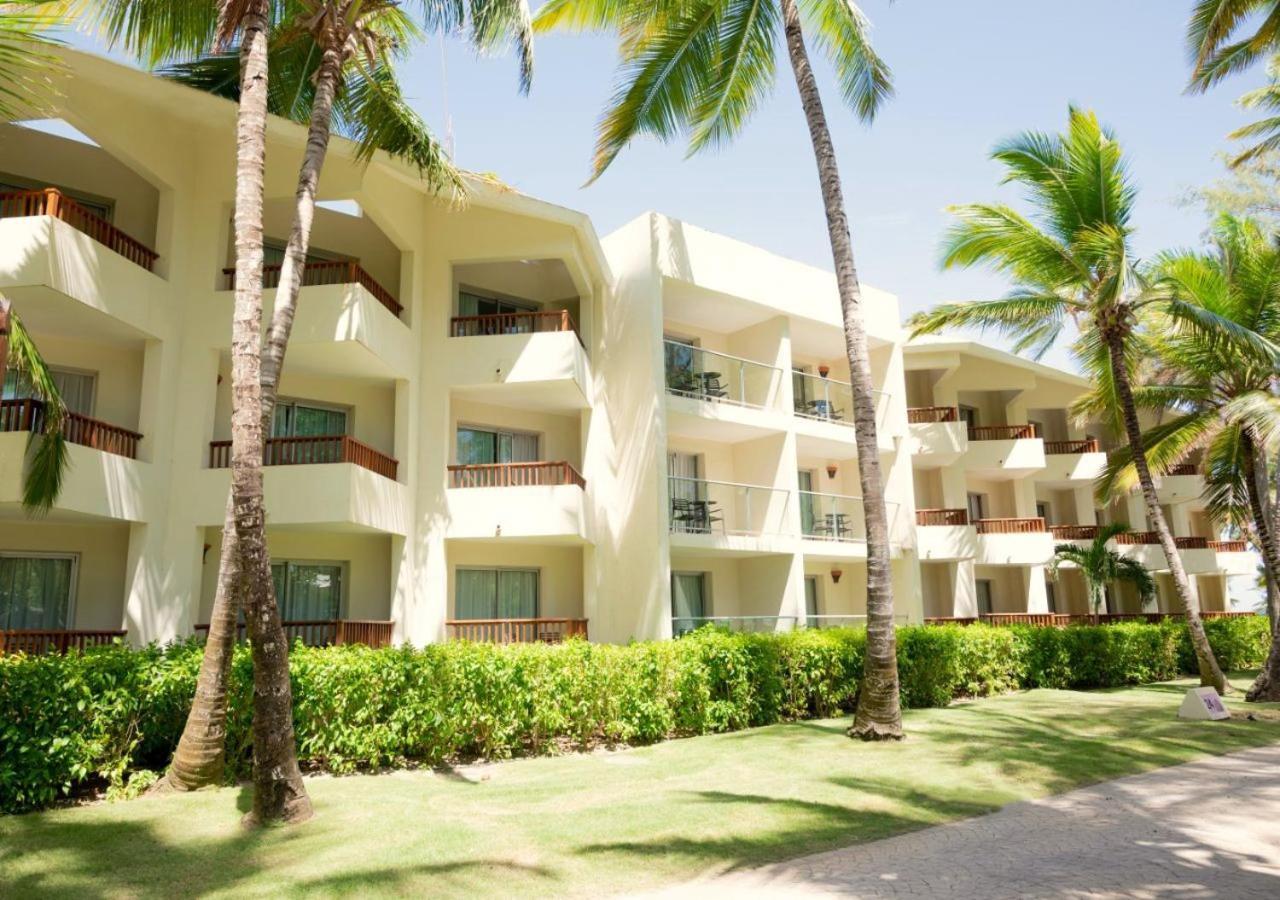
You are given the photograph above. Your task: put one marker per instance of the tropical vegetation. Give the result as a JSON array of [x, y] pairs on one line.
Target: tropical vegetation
[[1101, 566], [701, 69]]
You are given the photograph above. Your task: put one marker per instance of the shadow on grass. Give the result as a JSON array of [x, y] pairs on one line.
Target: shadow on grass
[[129, 858]]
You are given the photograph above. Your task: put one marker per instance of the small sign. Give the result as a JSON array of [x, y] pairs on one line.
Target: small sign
[[1203, 703]]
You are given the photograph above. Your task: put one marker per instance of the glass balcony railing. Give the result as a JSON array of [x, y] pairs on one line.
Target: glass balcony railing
[[832, 517], [699, 506], [830, 400], [708, 375], [755, 624]]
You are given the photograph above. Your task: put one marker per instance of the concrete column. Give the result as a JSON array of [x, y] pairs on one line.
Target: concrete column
[[1037, 597], [966, 591]]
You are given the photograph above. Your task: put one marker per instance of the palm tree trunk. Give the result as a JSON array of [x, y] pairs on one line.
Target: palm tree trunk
[[199, 760], [1266, 687], [1210, 673], [879, 714]]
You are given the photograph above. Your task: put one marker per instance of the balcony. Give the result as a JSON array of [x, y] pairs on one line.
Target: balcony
[[715, 396], [945, 534], [1233, 557], [1179, 484], [516, 631], [535, 359], [937, 435], [514, 501], [28, 415], [1004, 451], [825, 409], [56, 640], [1072, 461], [1073, 532], [833, 527], [306, 451], [328, 632], [53, 203], [725, 515], [1197, 557], [318, 273], [1013, 542]]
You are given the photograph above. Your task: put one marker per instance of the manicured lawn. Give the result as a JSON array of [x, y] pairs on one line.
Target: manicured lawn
[[616, 821]]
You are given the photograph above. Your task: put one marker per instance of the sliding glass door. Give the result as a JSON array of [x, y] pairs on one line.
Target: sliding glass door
[[480, 446], [308, 591], [75, 388], [496, 594], [35, 591], [688, 601]]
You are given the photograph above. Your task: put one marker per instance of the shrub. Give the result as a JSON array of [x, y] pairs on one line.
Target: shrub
[[112, 711]]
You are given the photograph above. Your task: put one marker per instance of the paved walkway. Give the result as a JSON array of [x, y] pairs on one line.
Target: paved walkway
[[1200, 830]]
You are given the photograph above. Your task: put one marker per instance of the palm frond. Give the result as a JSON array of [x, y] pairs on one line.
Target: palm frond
[[28, 65], [742, 73], [843, 33], [1034, 320], [44, 475]]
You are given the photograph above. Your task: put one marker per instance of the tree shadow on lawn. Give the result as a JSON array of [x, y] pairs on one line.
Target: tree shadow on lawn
[[812, 826], [97, 859]]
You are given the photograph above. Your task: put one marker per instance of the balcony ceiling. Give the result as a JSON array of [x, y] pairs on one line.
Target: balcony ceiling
[[44, 310]]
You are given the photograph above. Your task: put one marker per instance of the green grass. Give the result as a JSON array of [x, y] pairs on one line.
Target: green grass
[[616, 821]]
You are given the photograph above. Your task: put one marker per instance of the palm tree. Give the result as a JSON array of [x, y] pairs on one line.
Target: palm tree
[[1221, 393], [331, 66], [1100, 566], [43, 476], [701, 68], [26, 60], [1214, 41], [1073, 262]]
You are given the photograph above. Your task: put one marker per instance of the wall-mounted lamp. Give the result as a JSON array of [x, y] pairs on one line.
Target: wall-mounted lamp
[[823, 370], [835, 575], [832, 470]]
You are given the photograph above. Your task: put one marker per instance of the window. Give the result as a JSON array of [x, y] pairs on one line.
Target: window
[[480, 446], [682, 362], [273, 254], [800, 387], [977, 506], [1050, 596], [811, 599], [101, 207], [983, 586], [969, 416], [76, 388], [473, 304], [688, 600], [302, 419], [307, 591], [808, 513], [496, 593], [36, 590], [1044, 511]]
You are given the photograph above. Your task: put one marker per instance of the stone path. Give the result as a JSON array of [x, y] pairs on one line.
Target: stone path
[[1200, 830]]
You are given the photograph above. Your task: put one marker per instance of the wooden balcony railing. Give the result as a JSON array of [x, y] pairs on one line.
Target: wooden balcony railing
[[1191, 543], [1034, 525], [1138, 537], [925, 415], [328, 632], [516, 474], [1002, 432], [516, 631], [28, 415], [52, 202], [1074, 532], [322, 272], [1061, 620], [1089, 445], [54, 640], [529, 322], [1183, 469], [1229, 546], [304, 451], [927, 517]]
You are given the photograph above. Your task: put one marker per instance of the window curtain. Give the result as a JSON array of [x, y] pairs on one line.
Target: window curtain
[[300, 420], [35, 592], [478, 447], [496, 594], [475, 305], [524, 447], [308, 592], [76, 389], [811, 600], [808, 515], [800, 388], [685, 469], [687, 598]]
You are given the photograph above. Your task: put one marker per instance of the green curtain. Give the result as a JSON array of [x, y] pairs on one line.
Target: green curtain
[[479, 447], [35, 592], [517, 594], [687, 599], [496, 594], [308, 591]]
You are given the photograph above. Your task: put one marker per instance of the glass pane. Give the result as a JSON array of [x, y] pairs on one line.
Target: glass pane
[[524, 447], [476, 447], [517, 594], [76, 389], [811, 599], [504, 447], [311, 592], [35, 592], [687, 599], [470, 304], [272, 253], [311, 421], [282, 420], [476, 594]]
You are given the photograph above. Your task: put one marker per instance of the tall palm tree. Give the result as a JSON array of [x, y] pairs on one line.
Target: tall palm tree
[[1072, 262], [331, 66], [1215, 41], [701, 68], [1221, 393], [1100, 565]]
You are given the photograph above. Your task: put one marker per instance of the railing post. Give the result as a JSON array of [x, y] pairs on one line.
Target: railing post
[[51, 205]]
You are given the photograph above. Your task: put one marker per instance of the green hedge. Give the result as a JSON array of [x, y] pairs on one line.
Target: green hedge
[[101, 715]]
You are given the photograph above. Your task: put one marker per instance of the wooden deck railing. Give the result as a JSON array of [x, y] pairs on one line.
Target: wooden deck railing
[[1061, 620], [1074, 532], [52, 202], [1138, 537], [328, 632], [1183, 469], [927, 517], [303, 451], [53, 640], [1033, 525], [514, 323], [1191, 543], [323, 272], [1229, 546], [516, 474], [1002, 432], [516, 631], [28, 415], [1089, 445], [924, 415]]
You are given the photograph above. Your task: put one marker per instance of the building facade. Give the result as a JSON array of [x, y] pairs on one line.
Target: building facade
[[493, 424]]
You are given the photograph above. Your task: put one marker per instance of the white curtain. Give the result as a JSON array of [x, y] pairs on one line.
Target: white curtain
[[687, 596], [35, 592], [76, 389]]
